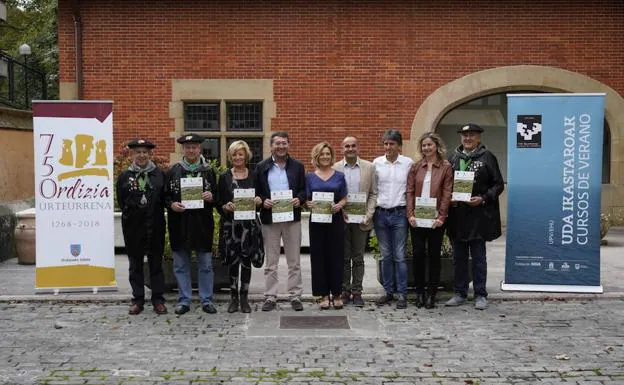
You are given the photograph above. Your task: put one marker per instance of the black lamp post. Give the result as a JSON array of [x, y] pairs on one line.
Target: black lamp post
[[25, 51]]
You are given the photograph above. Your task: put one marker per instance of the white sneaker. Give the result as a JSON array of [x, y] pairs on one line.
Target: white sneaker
[[481, 303], [455, 301]]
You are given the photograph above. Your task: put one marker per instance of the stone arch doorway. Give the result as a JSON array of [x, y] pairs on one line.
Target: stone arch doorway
[[490, 112], [537, 79]]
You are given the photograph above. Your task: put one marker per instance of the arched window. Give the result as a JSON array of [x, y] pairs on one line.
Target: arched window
[[490, 112]]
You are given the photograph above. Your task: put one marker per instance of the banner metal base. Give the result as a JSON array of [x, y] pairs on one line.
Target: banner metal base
[[81, 289], [552, 288]]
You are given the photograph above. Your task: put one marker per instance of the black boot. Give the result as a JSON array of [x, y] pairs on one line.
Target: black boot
[[431, 300], [233, 305], [244, 302], [420, 300]]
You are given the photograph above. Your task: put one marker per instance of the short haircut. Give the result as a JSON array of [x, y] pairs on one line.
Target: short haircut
[[281, 134], [237, 146], [393, 134], [441, 147], [316, 153]]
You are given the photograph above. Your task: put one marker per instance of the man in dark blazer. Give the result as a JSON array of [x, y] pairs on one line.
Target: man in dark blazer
[[477, 221], [281, 172]]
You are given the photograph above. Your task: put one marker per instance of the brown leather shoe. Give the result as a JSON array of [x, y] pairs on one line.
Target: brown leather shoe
[[135, 309], [160, 308], [338, 303], [324, 303]]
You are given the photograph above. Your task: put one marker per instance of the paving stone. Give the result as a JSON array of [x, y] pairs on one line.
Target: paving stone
[[449, 346]]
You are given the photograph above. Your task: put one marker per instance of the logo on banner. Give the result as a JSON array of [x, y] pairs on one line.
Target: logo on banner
[[75, 250], [84, 146], [529, 131], [80, 156]]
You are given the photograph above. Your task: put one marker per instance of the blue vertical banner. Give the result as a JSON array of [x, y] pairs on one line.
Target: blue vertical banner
[[554, 144]]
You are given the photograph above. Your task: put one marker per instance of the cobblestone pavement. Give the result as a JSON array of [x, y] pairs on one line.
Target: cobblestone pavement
[[554, 341]]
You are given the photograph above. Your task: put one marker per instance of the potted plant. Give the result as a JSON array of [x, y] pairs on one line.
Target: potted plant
[[606, 221], [25, 239]]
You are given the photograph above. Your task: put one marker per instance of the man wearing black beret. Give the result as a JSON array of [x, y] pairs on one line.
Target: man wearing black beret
[[191, 229], [477, 221], [140, 195]]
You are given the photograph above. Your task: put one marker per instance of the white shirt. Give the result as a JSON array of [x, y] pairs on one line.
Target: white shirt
[[352, 176], [391, 180], [426, 189]]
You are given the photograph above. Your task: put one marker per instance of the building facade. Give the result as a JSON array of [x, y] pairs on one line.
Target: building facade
[[324, 69]]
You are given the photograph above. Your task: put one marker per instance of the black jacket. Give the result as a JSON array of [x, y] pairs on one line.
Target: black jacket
[[190, 229], [295, 173], [143, 225], [226, 191], [481, 222], [239, 241]]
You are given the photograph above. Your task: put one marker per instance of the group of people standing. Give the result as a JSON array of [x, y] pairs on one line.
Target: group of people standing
[[391, 183], [143, 193], [469, 224]]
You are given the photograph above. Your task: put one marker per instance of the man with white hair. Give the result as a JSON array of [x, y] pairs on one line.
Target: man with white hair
[[477, 221]]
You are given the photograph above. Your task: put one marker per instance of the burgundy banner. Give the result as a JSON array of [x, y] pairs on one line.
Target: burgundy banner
[[76, 109]]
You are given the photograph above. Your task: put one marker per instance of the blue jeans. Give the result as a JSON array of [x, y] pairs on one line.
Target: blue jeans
[[182, 270], [391, 230], [462, 251]]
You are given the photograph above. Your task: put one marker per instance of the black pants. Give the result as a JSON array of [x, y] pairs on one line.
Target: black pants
[[327, 256], [137, 281], [245, 276], [426, 247]]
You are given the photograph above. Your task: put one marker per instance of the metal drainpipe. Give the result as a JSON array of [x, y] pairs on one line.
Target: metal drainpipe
[[78, 47]]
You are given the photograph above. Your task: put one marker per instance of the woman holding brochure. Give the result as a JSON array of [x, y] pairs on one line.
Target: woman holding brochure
[[429, 189], [326, 195], [240, 235]]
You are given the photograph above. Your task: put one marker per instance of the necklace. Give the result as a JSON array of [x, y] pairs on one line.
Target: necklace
[[240, 174]]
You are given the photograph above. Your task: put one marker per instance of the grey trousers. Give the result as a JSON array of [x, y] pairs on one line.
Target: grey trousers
[[355, 243]]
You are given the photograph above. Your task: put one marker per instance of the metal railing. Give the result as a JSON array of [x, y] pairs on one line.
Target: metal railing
[[20, 83]]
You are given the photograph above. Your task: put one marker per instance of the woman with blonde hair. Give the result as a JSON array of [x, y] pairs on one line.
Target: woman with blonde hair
[[431, 177], [327, 239], [240, 241]]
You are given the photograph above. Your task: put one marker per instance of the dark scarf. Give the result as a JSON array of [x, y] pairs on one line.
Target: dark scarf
[[201, 165], [141, 172]]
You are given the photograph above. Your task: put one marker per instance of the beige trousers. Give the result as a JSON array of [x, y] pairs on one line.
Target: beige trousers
[[290, 232]]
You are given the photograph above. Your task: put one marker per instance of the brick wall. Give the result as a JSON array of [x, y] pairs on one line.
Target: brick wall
[[339, 67]]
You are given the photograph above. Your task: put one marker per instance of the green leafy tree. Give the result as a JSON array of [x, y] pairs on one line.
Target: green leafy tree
[[33, 22]]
